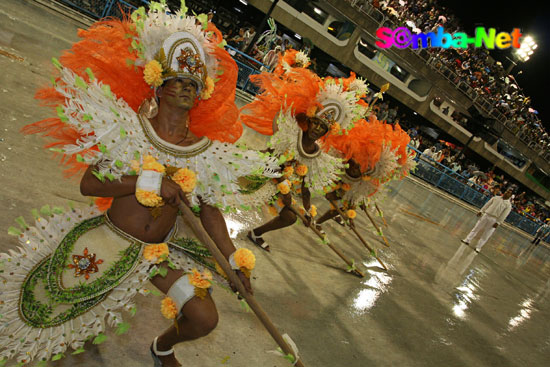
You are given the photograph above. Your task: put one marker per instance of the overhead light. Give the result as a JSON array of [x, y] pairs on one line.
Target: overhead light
[[318, 11], [237, 9], [330, 28], [534, 46], [530, 52], [297, 36], [243, 2], [398, 69], [415, 113]]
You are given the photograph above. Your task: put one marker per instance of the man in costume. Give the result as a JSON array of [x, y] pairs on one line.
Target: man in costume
[[492, 214], [76, 270], [297, 109], [375, 153]]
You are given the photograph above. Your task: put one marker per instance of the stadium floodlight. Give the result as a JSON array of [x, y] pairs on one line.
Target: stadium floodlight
[[528, 45]]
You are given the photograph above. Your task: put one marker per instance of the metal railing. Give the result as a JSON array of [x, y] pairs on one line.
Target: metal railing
[[104, 8], [247, 66], [459, 186]]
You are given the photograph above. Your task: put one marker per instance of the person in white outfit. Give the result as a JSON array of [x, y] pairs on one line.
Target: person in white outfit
[[493, 213]]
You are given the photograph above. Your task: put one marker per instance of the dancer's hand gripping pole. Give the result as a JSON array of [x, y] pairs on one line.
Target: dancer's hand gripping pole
[[224, 264]]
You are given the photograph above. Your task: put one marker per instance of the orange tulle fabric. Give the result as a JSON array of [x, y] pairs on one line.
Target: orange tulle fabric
[[105, 48], [364, 143], [296, 90], [288, 57]]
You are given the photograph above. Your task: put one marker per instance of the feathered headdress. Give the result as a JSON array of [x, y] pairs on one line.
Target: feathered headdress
[[302, 91], [121, 58], [291, 59]]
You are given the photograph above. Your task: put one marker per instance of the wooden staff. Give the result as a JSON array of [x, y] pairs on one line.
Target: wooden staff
[[330, 245], [371, 250], [381, 214], [224, 264], [378, 229]]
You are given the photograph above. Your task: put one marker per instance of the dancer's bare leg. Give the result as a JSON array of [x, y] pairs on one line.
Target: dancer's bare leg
[[328, 215], [198, 318], [285, 218]]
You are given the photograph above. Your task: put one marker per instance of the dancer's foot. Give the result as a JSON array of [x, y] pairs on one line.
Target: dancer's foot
[[258, 241], [464, 242], [338, 219], [320, 229], [163, 358]]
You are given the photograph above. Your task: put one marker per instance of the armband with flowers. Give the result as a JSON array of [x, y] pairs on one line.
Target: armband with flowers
[[243, 260], [149, 182]]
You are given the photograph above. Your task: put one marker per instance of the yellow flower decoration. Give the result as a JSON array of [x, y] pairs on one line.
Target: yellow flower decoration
[[346, 186], [151, 164], [335, 128], [148, 198], [366, 178], [152, 74], [280, 202], [208, 88], [284, 187], [168, 308], [313, 210], [156, 253], [288, 171], [351, 214], [186, 179], [301, 170], [245, 260], [201, 282]]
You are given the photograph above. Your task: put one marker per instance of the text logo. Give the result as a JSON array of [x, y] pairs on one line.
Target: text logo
[[402, 38]]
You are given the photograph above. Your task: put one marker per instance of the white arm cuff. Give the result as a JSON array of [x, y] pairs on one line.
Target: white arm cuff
[[149, 181], [232, 262]]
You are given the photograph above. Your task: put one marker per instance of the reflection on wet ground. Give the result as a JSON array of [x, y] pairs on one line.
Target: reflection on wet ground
[[441, 303]]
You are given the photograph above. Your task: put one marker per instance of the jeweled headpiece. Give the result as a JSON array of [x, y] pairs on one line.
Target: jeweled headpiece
[[181, 56]]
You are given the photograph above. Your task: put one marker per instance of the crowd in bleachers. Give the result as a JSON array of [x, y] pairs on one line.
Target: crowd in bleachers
[[473, 67], [467, 171]]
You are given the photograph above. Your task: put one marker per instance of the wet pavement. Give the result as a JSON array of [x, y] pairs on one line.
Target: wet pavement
[[440, 303]]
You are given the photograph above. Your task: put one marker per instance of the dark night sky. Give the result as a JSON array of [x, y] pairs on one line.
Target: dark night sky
[[504, 16]]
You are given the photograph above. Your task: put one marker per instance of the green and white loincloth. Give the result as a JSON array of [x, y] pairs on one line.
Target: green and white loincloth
[[73, 273]]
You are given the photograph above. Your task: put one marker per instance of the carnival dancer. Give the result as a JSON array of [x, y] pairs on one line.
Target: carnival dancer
[[492, 214], [297, 109], [76, 271], [375, 153]]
